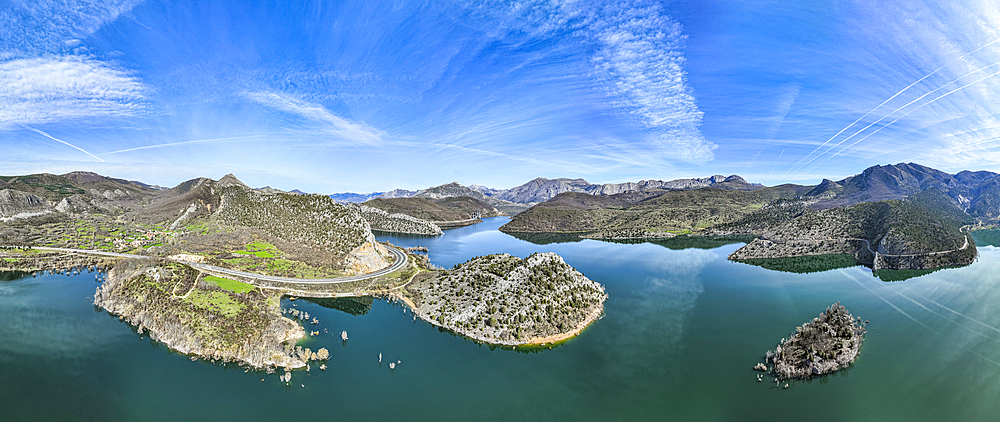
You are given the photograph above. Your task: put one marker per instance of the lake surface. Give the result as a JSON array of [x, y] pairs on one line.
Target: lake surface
[[682, 331]]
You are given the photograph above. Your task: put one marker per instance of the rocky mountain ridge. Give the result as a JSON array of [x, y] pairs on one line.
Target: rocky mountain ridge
[[903, 216], [976, 192], [541, 189], [314, 229]]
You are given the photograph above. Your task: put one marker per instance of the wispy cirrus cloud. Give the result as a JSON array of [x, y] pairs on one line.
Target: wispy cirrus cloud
[[640, 59], [330, 122], [40, 26], [636, 52], [49, 89]]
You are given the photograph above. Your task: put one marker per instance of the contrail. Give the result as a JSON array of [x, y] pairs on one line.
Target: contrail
[[949, 320], [63, 142], [776, 163], [956, 312], [891, 113], [896, 110], [918, 321], [886, 101], [198, 141], [908, 112], [983, 142]]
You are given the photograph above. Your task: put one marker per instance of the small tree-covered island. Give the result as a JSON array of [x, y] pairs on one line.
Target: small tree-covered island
[[502, 299], [828, 343], [202, 267]]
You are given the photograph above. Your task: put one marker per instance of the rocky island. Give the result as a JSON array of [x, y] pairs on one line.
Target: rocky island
[[505, 300], [828, 343]]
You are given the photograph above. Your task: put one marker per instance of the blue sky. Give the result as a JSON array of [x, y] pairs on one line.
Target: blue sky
[[374, 95]]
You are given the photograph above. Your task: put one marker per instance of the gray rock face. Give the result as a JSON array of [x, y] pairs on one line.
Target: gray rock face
[[230, 180], [109, 194], [397, 193], [14, 203], [455, 190], [488, 191], [541, 189], [80, 204]]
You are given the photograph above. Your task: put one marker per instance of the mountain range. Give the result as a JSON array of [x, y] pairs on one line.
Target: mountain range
[[541, 189]]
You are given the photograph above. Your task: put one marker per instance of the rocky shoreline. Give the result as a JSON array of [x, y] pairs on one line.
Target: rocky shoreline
[[880, 258], [533, 341], [505, 300], [230, 327], [828, 343]]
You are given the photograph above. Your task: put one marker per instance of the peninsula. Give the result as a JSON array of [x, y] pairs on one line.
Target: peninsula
[[202, 266], [903, 216], [502, 299]]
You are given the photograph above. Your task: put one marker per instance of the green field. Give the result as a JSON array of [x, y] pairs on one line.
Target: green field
[[260, 250], [215, 300], [230, 285]]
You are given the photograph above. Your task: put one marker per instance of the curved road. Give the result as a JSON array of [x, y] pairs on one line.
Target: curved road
[[869, 246], [399, 263]]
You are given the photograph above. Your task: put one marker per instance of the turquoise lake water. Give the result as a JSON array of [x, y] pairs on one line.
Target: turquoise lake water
[[682, 331]]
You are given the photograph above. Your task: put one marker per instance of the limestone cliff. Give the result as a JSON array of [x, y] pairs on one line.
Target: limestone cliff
[[16, 204]]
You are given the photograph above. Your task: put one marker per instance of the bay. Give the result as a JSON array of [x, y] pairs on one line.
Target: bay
[[682, 330]]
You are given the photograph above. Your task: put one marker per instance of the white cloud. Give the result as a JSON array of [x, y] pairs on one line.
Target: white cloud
[[640, 60], [333, 124], [637, 56], [49, 89], [40, 26]]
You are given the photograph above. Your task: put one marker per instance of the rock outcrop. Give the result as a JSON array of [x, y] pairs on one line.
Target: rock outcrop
[[16, 204], [245, 328], [367, 258], [81, 203], [501, 299], [828, 343]]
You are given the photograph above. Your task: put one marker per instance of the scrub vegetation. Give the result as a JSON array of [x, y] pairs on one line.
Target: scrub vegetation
[[502, 299]]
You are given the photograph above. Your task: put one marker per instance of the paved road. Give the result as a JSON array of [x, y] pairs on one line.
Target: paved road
[[454, 222], [399, 263], [869, 246]]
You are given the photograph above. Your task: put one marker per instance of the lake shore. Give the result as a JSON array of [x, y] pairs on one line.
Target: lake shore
[[531, 341]]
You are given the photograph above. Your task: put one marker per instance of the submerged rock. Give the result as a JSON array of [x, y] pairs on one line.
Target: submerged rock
[[826, 344]]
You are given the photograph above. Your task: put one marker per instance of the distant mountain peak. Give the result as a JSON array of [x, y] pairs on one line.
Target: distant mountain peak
[[230, 180]]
